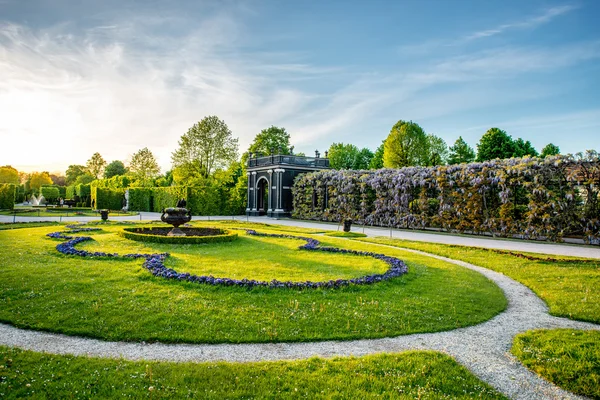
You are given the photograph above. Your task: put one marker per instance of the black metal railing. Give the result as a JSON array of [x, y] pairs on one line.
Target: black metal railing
[[316, 162]]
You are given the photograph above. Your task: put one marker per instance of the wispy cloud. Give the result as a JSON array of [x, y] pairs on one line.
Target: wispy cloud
[[530, 23]]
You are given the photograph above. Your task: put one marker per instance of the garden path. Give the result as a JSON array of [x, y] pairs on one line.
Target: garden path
[[483, 349]]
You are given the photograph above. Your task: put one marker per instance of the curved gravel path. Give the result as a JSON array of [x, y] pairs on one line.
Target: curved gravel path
[[483, 349]]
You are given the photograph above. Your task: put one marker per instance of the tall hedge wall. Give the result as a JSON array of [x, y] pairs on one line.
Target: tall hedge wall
[[140, 199], [70, 192], [50, 193], [165, 197], [530, 197], [7, 196], [111, 199]]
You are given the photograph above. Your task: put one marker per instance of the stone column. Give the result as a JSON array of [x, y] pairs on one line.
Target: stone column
[[270, 185], [255, 197], [279, 172], [249, 191]]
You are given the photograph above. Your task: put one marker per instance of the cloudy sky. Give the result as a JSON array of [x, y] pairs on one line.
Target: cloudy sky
[[115, 76]]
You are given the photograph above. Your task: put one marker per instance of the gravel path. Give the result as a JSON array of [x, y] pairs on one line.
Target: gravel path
[[483, 349]]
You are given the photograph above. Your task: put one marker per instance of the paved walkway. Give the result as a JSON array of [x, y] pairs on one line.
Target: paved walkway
[[420, 236], [483, 349]]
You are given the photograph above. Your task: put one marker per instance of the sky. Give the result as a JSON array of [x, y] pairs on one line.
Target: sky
[[115, 76]]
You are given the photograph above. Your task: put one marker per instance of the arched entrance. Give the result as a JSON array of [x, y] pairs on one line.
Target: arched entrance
[[262, 196]]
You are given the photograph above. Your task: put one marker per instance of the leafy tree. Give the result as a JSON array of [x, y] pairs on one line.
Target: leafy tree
[[274, 139], [550, 150], [58, 180], [377, 160], [437, 150], [73, 172], [39, 179], [406, 145], [143, 165], [115, 168], [348, 156], [461, 152], [9, 174], [84, 179], [207, 146], [495, 143], [524, 148], [95, 165]]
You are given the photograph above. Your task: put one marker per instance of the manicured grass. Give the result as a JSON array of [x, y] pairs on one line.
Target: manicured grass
[[346, 234], [410, 375], [566, 357], [22, 211], [119, 300], [20, 225], [571, 289]]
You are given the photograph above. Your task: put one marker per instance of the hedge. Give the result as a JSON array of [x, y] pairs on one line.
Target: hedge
[[165, 197], [135, 234], [111, 199], [70, 192], [7, 196], [84, 192], [140, 199], [50, 193], [530, 197]]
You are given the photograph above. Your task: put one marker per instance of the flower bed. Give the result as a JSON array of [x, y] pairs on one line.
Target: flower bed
[[193, 235], [155, 264]]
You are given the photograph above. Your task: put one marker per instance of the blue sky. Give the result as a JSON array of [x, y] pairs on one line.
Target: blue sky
[[78, 77]]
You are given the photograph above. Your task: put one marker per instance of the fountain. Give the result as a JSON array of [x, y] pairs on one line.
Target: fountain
[[36, 201], [176, 216]]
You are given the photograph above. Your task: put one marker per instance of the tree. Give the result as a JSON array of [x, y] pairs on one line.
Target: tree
[[73, 172], [58, 180], [273, 139], [95, 165], [406, 145], [207, 146], [461, 152], [39, 179], [84, 179], [550, 150], [523, 149], [143, 165], [348, 156], [437, 150], [114, 168], [377, 160], [495, 143], [9, 174]]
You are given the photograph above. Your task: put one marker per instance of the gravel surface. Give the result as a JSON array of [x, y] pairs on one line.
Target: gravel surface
[[483, 349]]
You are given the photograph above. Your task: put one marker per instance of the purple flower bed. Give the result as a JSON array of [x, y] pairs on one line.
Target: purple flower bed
[[155, 264]]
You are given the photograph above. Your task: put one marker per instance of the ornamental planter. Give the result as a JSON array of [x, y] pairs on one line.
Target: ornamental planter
[[176, 216], [104, 215], [347, 225]]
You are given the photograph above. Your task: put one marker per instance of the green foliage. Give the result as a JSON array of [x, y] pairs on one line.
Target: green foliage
[[39, 179], [117, 299], [84, 179], [140, 199], [406, 145], [114, 168], [348, 156], [7, 196], [550, 150], [9, 174], [138, 234], [495, 143], [408, 375], [58, 180], [165, 197], [566, 357], [143, 166], [437, 150], [377, 160], [207, 146], [523, 149], [73, 172], [50, 193], [461, 153], [116, 182], [70, 192], [83, 191], [273, 139], [95, 165], [346, 234], [110, 199]]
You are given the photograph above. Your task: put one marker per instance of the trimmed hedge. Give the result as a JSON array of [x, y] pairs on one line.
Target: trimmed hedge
[[110, 199], [165, 197], [530, 197], [50, 193], [70, 192], [135, 234], [7, 196], [140, 199]]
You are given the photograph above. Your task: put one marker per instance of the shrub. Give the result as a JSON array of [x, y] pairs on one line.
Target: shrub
[[70, 192], [7, 196], [165, 197], [140, 199], [111, 199], [83, 191], [138, 235], [50, 193]]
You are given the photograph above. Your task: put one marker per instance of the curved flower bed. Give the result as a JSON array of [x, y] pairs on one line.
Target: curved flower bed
[[146, 235], [155, 264]]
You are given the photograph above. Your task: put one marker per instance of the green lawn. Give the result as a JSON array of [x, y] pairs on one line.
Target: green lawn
[[571, 289], [409, 375], [59, 212], [119, 300], [569, 358]]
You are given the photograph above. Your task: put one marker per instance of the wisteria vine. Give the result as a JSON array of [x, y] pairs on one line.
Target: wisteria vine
[[155, 264]]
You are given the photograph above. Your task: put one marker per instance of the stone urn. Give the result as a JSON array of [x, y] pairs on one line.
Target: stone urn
[[347, 225], [176, 216], [103, 214]]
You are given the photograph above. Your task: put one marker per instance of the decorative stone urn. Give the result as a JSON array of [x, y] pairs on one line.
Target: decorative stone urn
[[104, 214], [176, 216], [347, 225]]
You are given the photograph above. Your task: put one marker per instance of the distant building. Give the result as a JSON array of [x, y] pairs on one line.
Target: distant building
[[270, 181]]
